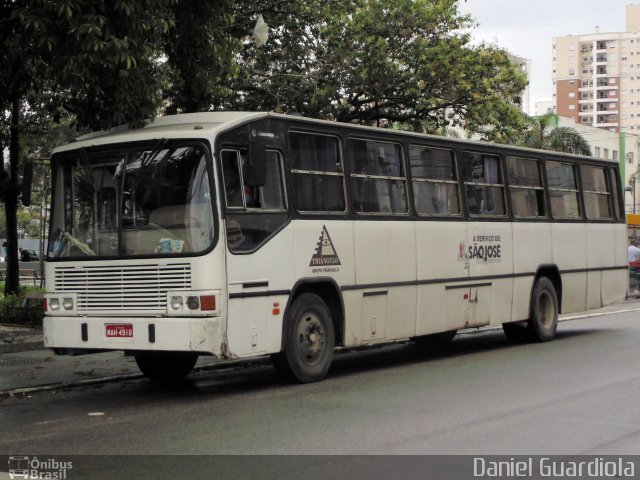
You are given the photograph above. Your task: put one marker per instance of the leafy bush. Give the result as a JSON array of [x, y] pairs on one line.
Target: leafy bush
[[11, 310]]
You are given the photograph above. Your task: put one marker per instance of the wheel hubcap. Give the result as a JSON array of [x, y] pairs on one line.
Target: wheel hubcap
[[311, 338], [546, 310]]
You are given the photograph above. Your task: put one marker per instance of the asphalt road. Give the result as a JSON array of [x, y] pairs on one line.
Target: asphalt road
[[577, 395]]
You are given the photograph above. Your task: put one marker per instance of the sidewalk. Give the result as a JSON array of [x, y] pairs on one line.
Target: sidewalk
[[24, 362]]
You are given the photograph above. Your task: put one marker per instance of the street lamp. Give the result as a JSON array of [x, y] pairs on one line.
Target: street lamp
[[628, 188], [633, 181]]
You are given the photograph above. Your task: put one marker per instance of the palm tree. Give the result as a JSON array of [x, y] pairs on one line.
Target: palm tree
[[542, 133]]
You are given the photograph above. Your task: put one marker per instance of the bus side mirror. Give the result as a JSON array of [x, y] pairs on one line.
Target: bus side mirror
[[27, 180], [256, 174]]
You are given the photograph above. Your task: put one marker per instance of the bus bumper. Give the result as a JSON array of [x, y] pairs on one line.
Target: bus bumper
[[202, 335]]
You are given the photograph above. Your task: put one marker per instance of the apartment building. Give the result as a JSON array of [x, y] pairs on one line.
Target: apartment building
[[597, 77], [524, 65]]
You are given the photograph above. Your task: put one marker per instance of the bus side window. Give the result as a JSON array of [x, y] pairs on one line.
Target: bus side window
[[255, 211], [563, 190], [378, 179], [526, 187], [484, 186], [239, 194], [596, 194], [435, 181], [318, 178]]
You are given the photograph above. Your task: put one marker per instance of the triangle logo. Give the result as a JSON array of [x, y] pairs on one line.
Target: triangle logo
[[325, 253]]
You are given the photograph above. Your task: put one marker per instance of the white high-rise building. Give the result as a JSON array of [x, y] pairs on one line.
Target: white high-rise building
[[524, 65], [597, 77]]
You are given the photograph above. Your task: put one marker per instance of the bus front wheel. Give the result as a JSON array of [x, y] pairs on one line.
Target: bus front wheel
[[309, 340], [166, 367]]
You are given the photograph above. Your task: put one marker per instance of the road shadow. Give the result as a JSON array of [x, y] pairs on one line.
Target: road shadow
[[259, 375], [254, 377]]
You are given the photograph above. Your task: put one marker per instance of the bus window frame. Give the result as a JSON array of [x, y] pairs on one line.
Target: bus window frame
[[244, 208], [507, 215], [608, 193], [293, 171], [544, 188], [457, 182], [408, 214], [578, 190], [227, 212]]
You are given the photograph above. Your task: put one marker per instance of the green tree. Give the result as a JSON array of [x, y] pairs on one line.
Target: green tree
[[38, 146], [541, 132], [21, 74], [98, 60], [384, 62], [200, 55], [381, 62]]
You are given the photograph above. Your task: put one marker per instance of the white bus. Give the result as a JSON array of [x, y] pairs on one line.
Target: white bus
[[250, 234]]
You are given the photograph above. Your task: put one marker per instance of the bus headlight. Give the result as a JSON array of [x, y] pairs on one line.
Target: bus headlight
[[176, 302], [54, 304], [60, 304], [194, 303]]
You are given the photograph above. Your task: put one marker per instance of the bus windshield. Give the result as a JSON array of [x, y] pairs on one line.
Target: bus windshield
[[151, 200]]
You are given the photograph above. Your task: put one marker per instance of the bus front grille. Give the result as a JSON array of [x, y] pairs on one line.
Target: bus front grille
[[130, 289]]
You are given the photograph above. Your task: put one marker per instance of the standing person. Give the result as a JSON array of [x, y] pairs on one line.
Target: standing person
[[633, 256], [633, 252]]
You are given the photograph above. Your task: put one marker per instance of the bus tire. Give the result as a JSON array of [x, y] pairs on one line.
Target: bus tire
[[543, 316], [309, 340], [166, 367]]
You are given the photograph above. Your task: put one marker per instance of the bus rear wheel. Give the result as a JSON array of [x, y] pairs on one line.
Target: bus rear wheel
[[166, 367], [309, 340], [543, 316]]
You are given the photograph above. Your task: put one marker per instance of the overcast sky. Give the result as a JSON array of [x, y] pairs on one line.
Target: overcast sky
[[526, 27]]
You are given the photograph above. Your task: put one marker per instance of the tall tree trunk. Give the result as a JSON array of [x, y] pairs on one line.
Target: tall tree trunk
[[12, 285]]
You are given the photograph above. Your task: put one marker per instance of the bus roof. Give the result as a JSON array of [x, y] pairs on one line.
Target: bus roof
[[187, 125], [208, 124]]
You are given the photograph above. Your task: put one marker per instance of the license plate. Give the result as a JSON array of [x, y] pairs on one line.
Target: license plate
[[119, 330]]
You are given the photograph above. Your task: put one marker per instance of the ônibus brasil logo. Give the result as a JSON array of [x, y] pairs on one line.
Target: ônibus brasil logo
[[38, 469]]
